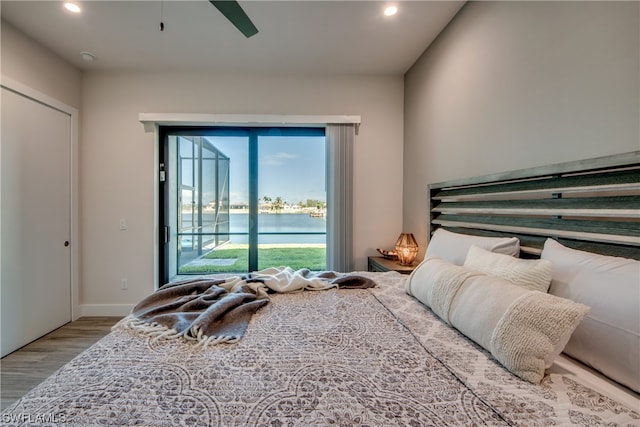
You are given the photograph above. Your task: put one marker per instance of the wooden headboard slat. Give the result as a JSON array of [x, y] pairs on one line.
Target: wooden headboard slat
[[531, 245], [629, 228], [599, 213], [619, 180], [445, 197], [547, 231], [614, 207]]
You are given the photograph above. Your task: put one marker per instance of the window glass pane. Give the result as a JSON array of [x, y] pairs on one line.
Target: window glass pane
[[186, 222], [225, 221], [233, 178], [186, 153], [245, 199], [291, 187]]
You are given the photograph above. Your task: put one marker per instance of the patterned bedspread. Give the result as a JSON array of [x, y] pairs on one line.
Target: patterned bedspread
[[372, 357]]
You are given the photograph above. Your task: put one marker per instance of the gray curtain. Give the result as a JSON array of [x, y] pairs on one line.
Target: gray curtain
[[339, 140]]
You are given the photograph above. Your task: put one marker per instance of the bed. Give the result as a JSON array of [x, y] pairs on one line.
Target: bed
[[388, 355]]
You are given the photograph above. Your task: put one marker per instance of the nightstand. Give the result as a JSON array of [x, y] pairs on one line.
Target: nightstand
[[378, 263]]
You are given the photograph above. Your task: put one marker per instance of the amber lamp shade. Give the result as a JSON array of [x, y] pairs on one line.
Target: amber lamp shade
[[406, 249]]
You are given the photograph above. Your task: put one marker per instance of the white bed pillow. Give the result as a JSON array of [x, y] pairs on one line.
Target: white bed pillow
[[524, 330], [453, 247], [533, 274], [609, 337]]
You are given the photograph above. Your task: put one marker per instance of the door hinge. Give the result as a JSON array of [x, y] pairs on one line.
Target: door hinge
[[162, 173], [166, 234]]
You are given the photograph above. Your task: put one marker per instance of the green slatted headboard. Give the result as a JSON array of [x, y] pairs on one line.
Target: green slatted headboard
[[592, 205]]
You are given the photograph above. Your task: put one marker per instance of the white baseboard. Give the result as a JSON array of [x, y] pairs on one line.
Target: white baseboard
[[100, 310]]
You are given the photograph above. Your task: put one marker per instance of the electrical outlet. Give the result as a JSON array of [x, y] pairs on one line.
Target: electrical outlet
[[124, 284]]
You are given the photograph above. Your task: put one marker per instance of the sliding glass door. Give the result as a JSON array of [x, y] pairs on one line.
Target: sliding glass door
[[235, 200]]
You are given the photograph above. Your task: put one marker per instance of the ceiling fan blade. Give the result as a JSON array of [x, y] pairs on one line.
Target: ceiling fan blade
[[234, 13]]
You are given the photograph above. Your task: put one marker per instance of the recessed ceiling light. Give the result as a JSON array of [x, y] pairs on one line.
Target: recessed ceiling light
[[72, 7], [88, 56], [390, 10]]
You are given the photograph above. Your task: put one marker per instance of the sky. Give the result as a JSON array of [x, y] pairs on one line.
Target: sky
[[292, 168]]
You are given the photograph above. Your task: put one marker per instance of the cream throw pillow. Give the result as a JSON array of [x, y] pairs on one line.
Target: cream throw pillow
[[533, 274], [523, 329], [453, 247]]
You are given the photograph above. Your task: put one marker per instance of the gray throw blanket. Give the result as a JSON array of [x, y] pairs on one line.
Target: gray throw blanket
[[213, 311]]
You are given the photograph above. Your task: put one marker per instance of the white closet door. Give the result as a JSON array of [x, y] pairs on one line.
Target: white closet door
[[35, 220]]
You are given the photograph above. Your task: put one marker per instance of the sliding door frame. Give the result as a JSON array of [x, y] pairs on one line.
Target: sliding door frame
[[253, 134]]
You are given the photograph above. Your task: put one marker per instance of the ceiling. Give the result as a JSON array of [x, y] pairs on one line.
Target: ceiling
[[318, 37]]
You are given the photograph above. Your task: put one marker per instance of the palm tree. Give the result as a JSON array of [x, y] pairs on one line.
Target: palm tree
[[278, 204]]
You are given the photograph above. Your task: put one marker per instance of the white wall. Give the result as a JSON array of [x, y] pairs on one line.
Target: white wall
[[117, 160], [510, 85], [27, 62]]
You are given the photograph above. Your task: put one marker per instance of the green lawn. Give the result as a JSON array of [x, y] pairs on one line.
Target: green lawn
[[312, 257]]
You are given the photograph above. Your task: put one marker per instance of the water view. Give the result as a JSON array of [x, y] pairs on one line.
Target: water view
[[290, 244], [267, 223], [281, 223]]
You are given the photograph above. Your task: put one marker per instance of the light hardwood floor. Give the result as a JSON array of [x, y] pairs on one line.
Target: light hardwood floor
[[25, 368]]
